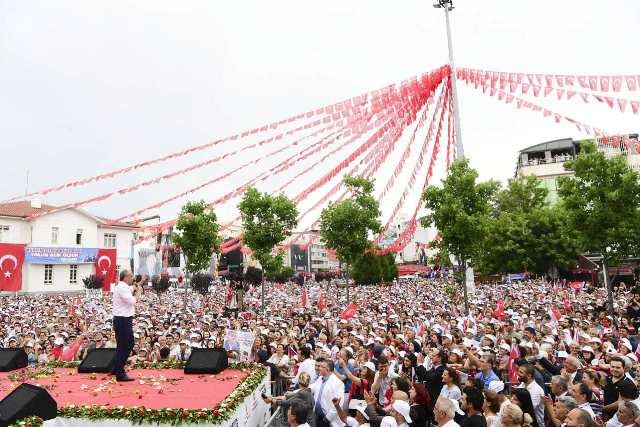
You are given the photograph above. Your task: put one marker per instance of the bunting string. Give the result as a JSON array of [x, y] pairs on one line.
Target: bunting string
[[327, 114], [405, 237], [602, 83], [487, 84], [440, 109], [390, 95]]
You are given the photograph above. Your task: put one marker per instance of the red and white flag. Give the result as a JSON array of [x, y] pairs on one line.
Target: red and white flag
[[322, 302], [349, 311], [513, 370], [106, 267], [555, 315], [303, 300], [11, 259]]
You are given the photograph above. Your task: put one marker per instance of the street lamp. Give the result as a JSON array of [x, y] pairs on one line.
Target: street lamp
[[447, 5]]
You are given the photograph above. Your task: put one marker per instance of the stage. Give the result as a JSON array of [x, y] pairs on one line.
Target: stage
[[231, 397]]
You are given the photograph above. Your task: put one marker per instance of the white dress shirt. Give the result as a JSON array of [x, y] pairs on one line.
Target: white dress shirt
[[124, 303], [537, 393], [585, 406], [333, 388]]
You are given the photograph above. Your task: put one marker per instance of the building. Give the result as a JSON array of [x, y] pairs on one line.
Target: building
[[417, 251], [546, 160], [315, 257], [62, 231]]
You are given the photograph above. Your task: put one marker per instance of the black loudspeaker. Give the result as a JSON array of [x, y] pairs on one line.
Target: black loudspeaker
[[12, 358], [99, 360], [206, 361], [25, 401]]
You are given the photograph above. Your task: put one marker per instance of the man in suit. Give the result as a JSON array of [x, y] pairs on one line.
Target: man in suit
[[433, 377], [326, 388]]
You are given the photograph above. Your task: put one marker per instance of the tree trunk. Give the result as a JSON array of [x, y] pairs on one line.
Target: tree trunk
[[608, 285], [262, 291], [464, 287]]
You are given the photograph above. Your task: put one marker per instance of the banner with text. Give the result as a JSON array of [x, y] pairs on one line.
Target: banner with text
[[54, 255]]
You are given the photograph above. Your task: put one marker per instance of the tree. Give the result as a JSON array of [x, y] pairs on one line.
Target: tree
[[346, 226], [367, 269], [388, 267], [460, 210], [266, 222], [197, 235], [602, 203], [525, 233]]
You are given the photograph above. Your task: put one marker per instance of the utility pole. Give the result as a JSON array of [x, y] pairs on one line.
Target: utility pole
[[447, 5]]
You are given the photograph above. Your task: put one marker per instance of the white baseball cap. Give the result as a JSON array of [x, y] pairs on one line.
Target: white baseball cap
[[403, 409], [360, 406]]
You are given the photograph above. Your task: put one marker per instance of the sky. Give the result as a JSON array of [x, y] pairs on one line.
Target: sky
[[88, 87]]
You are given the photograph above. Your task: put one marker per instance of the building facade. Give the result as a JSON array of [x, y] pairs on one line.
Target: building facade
[[546, 160], [72, 229]]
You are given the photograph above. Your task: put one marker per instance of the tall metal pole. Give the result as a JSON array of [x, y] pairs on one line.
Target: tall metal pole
[[447, 5]]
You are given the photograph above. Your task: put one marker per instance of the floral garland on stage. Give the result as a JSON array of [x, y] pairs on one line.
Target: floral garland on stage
[[140, 415]]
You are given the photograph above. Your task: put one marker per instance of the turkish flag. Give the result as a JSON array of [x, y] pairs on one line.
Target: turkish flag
[[513, 371], [322, 302], [349, 311], [11, 259], [499, 311], [304, 297], [106, 267]]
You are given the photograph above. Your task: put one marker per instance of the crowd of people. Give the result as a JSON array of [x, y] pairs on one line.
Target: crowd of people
[[532, 354]]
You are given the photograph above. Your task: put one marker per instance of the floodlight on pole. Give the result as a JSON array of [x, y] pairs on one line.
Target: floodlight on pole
[[447, 5]]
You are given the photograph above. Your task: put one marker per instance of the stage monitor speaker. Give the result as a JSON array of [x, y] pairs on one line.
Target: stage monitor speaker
[[12, 358], [206, 361], [98, 360], [25, 401]]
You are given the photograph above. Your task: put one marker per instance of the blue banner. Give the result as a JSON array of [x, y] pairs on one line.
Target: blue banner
[[53, 255]]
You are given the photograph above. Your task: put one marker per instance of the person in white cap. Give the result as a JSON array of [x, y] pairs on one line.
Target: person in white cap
[[398, 415], [361, 418]]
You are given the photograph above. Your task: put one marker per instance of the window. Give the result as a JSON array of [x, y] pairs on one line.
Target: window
[[109, 240], [73, 273], [79, 236], [48, 273], [4, 230], [54, 235]]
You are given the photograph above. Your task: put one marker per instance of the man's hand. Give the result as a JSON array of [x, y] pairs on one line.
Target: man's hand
[[370, 398], [336, 401]]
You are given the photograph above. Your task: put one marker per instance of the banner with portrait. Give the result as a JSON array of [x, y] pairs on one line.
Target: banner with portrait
[[241, 342]]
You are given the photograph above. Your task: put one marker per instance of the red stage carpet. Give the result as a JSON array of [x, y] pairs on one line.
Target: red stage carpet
[[153, 388]]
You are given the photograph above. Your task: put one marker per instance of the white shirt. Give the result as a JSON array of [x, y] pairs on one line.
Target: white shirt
[[333, 388], [537, 393], [614, 422], [124, 303], [308, 366], [451, 423], [588, 408]]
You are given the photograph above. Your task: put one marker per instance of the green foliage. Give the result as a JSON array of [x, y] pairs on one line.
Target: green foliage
[[388, 267], [602, 202], [460, 210], [197, 235], [200, 282], [367, 269], [266, 222], [93, 282], [525, 234], [346, 226]]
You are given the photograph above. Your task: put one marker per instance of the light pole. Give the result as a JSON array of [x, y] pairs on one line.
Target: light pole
[[447, 5], [607, 283]]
